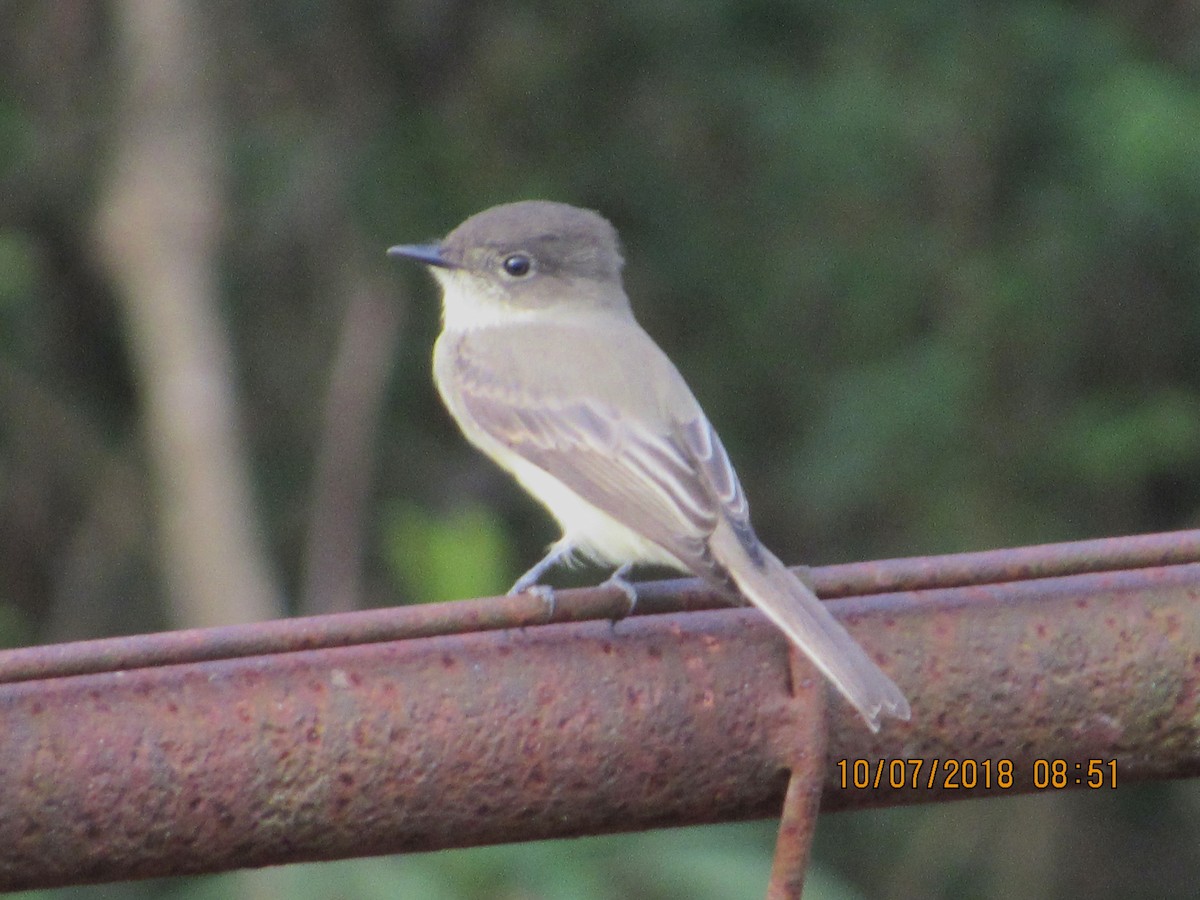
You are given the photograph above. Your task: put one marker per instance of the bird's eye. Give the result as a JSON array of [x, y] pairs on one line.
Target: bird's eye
[[518, 265]]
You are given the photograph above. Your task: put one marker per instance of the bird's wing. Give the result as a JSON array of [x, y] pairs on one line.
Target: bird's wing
[[712, 462], [656, 466]]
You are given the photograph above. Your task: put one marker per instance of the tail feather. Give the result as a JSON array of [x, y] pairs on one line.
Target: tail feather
[[795, 609]]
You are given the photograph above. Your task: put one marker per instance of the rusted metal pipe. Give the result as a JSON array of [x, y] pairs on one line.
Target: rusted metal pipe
[[583, 728], [1048, 674], [387, 747]]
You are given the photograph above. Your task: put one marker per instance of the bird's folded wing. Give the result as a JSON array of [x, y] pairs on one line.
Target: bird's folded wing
[[646, 475]]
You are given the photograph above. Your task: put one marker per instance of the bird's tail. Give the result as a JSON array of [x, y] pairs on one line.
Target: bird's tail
[[793, 607]]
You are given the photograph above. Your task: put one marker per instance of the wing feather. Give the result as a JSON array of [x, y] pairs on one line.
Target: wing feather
[[669, 481]]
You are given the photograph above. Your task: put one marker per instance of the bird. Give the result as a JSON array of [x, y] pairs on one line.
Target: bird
[[543, 366]]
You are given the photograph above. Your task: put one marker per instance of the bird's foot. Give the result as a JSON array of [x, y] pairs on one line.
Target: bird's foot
[[543, 592], [617, 580]]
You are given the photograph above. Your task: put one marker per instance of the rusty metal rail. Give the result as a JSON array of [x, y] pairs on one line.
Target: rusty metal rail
[[678, 595], [441, 726]]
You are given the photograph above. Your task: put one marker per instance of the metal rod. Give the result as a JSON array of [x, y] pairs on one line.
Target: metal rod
[[798, 818], [1049, 675], [676, 595], [388, 747], [1012, 564], [587, 727]]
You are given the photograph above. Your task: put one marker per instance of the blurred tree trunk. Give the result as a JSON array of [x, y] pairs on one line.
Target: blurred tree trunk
[[345, 460], [157, 228]]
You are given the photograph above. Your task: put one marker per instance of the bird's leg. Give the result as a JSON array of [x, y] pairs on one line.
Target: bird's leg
[[617, 580], [559, 551]]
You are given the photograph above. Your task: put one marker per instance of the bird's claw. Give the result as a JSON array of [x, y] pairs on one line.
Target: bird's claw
[[543, 592], [617, 580]]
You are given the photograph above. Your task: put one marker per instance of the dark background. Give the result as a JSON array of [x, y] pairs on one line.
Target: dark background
[[932, 269]]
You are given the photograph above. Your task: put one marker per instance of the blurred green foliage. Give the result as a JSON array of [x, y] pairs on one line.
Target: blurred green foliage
[[933, 269], [462, 554]]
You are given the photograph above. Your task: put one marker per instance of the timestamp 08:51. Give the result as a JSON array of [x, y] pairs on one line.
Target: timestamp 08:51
[[934, 773]]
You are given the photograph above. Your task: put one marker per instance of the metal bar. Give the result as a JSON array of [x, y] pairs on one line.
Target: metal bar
[[675, 595], [1047, 674], [1013, 564], [801, 803], [583, 728], [388, 747]]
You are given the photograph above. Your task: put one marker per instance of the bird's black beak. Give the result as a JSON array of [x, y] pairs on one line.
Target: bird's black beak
[[429, 254]]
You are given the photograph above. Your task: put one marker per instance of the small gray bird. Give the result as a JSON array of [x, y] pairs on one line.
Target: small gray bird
[[544, 368]]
